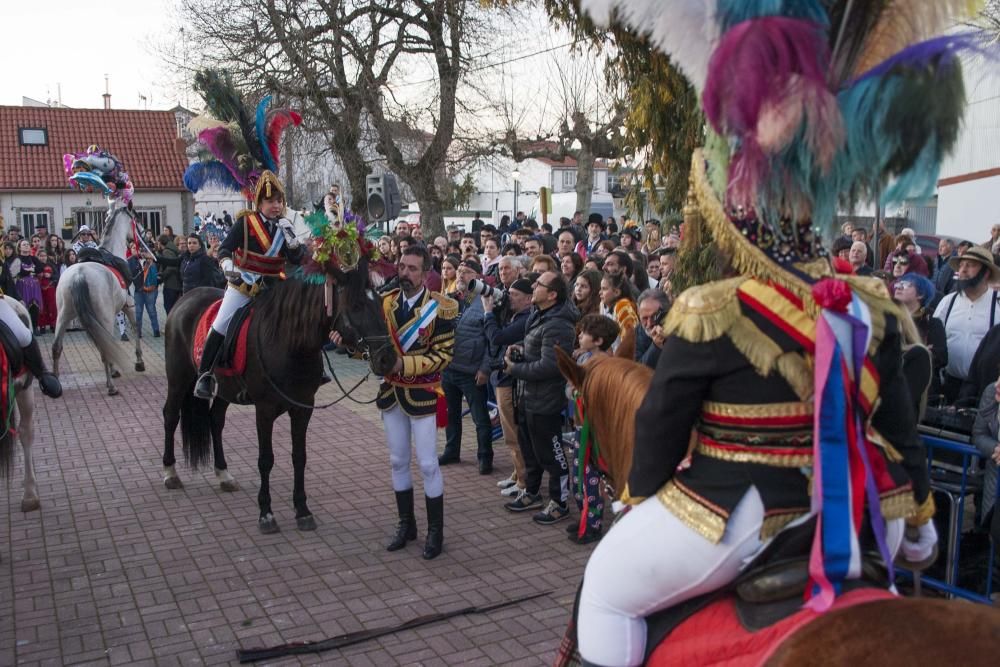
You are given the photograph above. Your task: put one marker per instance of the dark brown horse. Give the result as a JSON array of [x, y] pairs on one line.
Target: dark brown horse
[[888, 632], [284, 369]]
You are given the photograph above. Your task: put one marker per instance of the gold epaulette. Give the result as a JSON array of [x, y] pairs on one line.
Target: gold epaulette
[[705, 312], [447, 307]]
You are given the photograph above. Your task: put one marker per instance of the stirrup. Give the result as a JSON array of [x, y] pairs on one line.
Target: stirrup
[[213, 386]]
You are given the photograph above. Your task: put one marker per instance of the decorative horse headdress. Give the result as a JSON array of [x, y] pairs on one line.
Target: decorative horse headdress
[[812, 105], [97, 170], [236, 149]]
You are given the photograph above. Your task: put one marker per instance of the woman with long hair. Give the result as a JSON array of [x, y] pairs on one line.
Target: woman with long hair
[[617, 303], [54, 248], [449, 273], [587, 292], [25, 268], [571, 265]]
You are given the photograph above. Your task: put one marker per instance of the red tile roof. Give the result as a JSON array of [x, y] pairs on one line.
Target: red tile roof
[[145, 142]]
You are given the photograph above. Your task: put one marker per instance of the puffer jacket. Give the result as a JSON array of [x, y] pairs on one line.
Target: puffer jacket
[[471, 350], [543, 388]]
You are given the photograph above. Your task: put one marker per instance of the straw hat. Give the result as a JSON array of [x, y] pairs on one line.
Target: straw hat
[[981, 255]]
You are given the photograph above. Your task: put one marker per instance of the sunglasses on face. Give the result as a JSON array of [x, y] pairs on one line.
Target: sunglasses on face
[[900, 261]]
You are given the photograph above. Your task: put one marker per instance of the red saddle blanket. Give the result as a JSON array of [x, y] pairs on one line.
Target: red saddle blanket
[[714, 636], [118, 275], [230, 364]]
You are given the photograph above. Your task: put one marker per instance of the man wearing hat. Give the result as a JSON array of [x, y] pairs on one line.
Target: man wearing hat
[[595, 234], [468, 373], [968, 313], [83, 239], [41, 233], [252, 256]]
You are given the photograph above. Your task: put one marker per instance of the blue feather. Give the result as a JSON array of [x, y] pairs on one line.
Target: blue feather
[[924, 54], [269, 160], [202, 174], [730, 12]]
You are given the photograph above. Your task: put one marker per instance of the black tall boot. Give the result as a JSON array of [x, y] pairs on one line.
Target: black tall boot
[[33, 360], [435, 527], [205, 388], [406, 529]]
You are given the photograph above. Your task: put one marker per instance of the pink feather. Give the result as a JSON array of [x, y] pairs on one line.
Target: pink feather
[[220, 143], [280, 119], [802, 100]]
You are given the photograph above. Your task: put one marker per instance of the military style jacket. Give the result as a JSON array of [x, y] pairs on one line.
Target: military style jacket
[[737, 371], [415, 389], [250, 239]]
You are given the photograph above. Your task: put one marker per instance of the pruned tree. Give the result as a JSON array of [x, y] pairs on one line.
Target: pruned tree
[[344, 61]]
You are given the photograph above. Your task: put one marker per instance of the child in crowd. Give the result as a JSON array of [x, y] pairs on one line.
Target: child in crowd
[[597, 332], [47, 281]]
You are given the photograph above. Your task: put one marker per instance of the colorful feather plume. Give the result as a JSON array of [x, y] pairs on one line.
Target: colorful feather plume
[[233, 140]]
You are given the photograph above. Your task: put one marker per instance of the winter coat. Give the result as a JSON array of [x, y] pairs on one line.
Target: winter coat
[[471, 352], [543, 388]]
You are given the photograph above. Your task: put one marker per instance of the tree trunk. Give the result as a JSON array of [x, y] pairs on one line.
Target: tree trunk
[[585, 178], [431, 218]]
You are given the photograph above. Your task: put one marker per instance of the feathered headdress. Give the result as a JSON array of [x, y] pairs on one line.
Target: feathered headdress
[[97, 170], [812, 105], [236, 147]]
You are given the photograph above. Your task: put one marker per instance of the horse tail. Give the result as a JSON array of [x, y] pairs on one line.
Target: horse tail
[[107, 344], [196, 430]]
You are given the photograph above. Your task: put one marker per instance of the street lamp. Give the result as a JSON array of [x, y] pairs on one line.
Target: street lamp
[[516, 175]]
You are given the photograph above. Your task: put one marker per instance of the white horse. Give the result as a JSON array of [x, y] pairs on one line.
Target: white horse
[[22, 426], [88, 291]]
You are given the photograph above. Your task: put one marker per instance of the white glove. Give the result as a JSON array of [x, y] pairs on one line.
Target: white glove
[[226, 265], [923, 547], [286, 227]]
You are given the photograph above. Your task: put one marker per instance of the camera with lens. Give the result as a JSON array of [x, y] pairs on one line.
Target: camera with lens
[[517, 355], [481, 288]]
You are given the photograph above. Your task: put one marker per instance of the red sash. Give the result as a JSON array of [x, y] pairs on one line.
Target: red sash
[[255, 262]]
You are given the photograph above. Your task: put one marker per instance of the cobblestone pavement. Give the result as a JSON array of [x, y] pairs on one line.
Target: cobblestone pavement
[[116, 569]]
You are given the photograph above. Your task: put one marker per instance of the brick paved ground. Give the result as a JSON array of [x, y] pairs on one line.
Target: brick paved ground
[[115, 569]]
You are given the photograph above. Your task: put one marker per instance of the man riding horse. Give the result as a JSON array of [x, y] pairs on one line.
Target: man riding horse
[[789, 376], [252, 256]]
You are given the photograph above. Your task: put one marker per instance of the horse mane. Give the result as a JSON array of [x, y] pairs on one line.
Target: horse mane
[[612, 391]]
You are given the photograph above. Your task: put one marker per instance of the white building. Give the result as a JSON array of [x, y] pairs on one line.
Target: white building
[[968, 202], [33, 185]]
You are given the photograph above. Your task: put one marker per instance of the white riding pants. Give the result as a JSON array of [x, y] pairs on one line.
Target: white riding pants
[[9, 317], [651, 560], [399, 427], [232, 301]]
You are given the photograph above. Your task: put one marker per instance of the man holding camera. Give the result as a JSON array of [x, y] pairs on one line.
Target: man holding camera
[[653, 307], [542, 396], [469, 370]]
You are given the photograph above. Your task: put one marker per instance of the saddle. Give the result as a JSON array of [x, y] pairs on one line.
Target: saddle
[[102, 256], [233, 354], [13, 356]]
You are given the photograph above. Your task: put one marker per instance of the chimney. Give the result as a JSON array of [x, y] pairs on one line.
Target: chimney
[[107, 94]]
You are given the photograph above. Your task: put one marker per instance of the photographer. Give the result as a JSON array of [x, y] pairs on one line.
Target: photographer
[[542, 397], [468, 373], [517, 304], [653, 307]]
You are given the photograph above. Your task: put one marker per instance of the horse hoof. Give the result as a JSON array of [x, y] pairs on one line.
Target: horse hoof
[[140, 367], [112, 392], [268, 525], [116, 374], [306, 522], [173, 483], [30, 504], [229, 486]]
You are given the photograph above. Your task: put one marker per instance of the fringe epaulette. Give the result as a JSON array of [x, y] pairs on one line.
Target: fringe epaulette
[[705, 312], [447, 307]]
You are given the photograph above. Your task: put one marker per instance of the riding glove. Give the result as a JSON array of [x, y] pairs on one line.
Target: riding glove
[[922, 548]]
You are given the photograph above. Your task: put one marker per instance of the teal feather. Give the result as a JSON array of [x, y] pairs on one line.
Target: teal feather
[[730, 12], [261, 127]]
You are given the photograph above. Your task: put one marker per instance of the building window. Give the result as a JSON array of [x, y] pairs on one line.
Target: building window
[[30, 219], [93, 218], [152, 220], [33, 136], [568, 179]]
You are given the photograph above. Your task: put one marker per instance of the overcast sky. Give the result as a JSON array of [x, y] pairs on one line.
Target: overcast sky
[[72, 44]]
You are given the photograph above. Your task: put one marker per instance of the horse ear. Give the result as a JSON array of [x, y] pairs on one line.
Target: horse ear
[[572, 371], [626, 349]]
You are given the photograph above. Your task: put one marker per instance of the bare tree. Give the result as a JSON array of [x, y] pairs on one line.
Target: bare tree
[[582, 123], [345, 61]]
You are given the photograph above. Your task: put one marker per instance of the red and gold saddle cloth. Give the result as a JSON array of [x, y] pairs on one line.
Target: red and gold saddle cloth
[[230, 364]]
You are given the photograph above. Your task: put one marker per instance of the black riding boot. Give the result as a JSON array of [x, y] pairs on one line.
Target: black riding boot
[[435, 527], [205, 388], [46, 380], [406, 529]]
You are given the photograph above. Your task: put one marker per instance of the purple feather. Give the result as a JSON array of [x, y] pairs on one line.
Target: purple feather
[[220, 143], [924, 53]]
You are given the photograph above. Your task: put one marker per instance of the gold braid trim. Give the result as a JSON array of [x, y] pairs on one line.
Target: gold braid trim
[[447, 307], [629, 499], [756, 411], [775, 523], [797, 370], [924, 512], [745, 257], [877, 439], [692, 513], [899, 504], [705, 312], [759, 349]]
